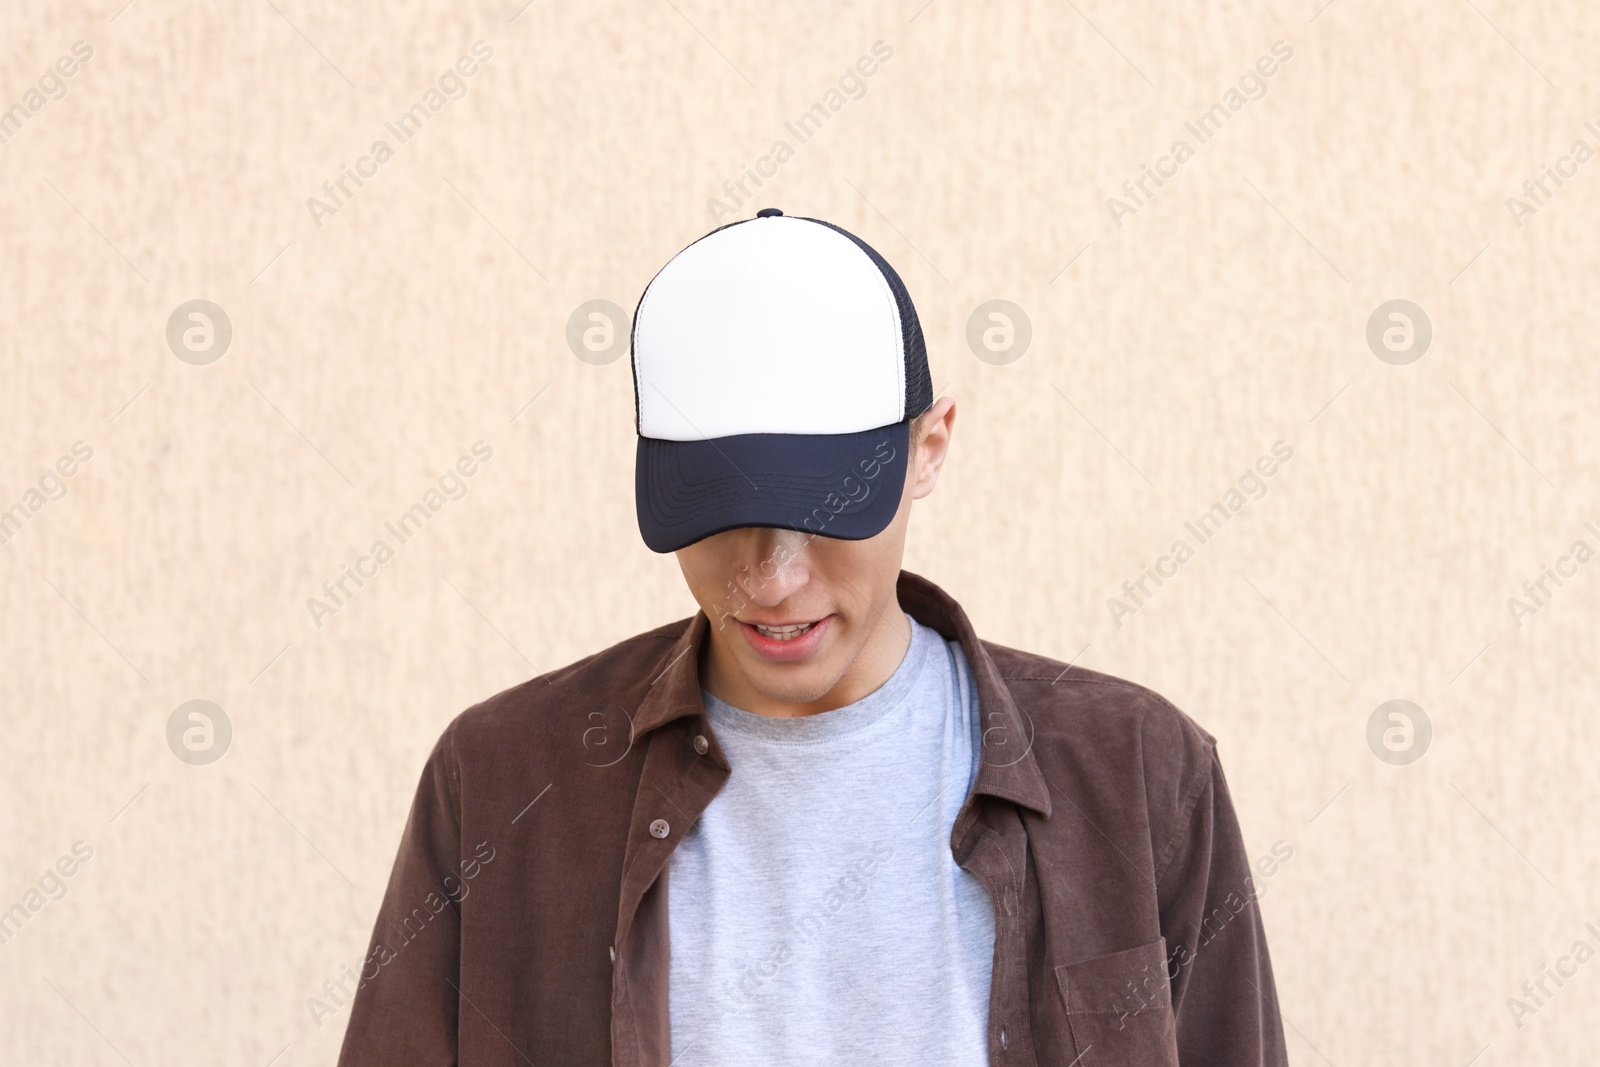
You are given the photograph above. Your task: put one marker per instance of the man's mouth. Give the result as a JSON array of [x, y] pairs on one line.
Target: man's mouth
[[783, 633], [785, 642]]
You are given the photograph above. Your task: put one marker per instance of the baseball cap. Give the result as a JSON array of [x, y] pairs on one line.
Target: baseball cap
[[777, 365]]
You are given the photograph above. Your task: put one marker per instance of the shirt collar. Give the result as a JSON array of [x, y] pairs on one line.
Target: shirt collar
[[1007, 767]]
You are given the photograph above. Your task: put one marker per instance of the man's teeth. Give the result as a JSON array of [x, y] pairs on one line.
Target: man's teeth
[[783, 633]]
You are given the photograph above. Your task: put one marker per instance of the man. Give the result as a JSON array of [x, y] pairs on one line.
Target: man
[[820, 822]]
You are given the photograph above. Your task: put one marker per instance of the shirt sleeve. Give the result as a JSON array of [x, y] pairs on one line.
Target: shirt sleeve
[[1223, 998], [406, 1001]]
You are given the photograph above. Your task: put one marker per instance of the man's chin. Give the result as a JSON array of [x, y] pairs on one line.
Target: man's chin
[[791, 683]]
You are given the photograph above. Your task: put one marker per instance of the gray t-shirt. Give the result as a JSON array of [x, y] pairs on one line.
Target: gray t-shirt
[[816, 913]]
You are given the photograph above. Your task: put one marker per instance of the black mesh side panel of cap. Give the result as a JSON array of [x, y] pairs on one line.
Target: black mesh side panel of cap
[[919, 384]]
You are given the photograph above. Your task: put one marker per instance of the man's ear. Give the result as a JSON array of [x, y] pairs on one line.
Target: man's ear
[[930, 444]]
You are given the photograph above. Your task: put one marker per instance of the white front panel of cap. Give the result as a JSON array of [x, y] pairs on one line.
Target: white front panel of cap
[[777, 325]]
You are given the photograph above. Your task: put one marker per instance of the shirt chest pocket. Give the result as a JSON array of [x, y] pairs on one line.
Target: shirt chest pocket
[[1119, 1009]]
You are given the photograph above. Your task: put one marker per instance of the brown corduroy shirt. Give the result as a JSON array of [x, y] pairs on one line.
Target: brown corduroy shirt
[[525, 920]]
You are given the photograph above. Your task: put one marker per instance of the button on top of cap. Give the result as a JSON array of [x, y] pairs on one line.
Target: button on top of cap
[[768, 212]]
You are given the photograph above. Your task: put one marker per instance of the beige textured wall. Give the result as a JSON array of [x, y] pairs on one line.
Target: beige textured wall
[[369, 352]]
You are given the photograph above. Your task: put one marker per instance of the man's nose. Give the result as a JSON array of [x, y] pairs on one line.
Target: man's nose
[[779, 566]]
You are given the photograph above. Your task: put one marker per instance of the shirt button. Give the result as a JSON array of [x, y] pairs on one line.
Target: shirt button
[[613, 950], [1003, 1043], [659, 828], [701, 745]]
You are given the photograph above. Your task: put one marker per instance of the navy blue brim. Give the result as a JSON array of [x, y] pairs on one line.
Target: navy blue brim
[[836, 485]]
